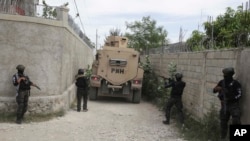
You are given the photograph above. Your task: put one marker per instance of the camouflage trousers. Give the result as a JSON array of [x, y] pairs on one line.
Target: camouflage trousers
[[227, 111], [22, 102], [82, 94], [178, 104]]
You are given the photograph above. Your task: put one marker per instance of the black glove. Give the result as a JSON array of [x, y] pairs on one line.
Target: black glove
[[170, 80]]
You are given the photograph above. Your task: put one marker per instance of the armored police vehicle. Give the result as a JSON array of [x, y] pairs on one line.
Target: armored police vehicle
[[116, 71]]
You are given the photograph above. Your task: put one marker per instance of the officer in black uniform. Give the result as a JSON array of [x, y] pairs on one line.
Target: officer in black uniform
[[22, 83], [175, 97], [82, 90], [229, 94]]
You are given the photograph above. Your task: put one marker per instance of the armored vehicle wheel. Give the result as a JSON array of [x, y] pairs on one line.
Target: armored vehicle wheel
[[136, 96], [92, 93]]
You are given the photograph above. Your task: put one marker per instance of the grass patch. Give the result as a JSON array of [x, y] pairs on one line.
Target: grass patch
[[7, 117], [206, 129], [11, 117]]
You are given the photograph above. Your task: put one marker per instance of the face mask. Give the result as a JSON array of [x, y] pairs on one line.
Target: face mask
[[178, 79], [20, 71], [228, 78]]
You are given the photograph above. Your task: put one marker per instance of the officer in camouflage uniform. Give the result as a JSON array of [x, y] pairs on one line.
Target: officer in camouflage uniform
[[229, 94], [22, 83], [175, 97], [82, 90]]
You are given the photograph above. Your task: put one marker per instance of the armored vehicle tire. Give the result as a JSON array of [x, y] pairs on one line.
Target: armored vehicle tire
[[92, 93], [136, 96]]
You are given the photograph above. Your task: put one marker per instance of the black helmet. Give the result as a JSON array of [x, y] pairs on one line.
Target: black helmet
[[228, 71], [178, 76], [80, 71], [20, 67]]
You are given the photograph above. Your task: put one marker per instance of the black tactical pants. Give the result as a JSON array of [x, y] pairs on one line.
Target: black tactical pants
[[82, 94], [231, 109], [22, 101], [178, 103]]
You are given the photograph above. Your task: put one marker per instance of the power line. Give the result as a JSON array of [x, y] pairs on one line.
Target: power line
[[79, 17]]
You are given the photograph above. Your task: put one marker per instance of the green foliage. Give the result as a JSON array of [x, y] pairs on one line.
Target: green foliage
[[229, 30], [172, 68], [7, 117], [206, 129], [88, 72], [197, 41], [162, 96], [147, 66], [153, 87], [145, 34], [165, 93], [11, 117], [149, 85], [48, 11]]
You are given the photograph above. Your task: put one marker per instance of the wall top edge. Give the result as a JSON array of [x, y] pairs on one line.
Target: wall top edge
[[20, 18]]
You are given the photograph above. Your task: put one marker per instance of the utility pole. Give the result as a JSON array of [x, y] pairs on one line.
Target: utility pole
[[180, 39], [210, 20]]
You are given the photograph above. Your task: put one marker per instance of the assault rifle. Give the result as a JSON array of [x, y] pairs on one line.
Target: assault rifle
[[21, 75], [37, 87], [167, 78], [168, 83]]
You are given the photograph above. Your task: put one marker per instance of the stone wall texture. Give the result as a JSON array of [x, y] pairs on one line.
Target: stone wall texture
[[202, 71], [52, 54]]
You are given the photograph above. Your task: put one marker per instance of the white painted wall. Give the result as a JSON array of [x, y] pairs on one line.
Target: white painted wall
[[52, 54]]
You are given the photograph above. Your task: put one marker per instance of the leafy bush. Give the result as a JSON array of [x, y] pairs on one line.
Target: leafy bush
[[48, 11], [150, 82], [206, 129], [153, 86], [88, 72]]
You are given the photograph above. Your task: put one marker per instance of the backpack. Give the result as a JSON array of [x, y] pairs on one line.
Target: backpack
[[81, 82]]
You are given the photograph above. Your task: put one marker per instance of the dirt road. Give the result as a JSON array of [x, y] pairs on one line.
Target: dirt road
[[106, 120]]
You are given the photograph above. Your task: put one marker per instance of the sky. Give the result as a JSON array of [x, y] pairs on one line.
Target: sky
[[100, 16]]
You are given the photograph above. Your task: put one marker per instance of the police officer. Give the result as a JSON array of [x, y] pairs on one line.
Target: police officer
[[22, 83], [175, 97], [82, 90], [229, 94]]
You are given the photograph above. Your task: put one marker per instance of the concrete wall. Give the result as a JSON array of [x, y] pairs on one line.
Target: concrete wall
[[52, 54], [244, 77], [202, 71]]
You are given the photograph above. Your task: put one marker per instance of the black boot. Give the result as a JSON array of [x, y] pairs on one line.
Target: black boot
[[18, 120]]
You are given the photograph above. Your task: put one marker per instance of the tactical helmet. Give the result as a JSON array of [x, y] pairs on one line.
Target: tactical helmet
[[20, 67], [80, 71], [178, 75], [228, 71]]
